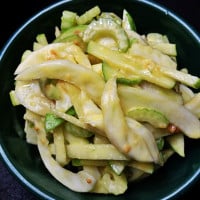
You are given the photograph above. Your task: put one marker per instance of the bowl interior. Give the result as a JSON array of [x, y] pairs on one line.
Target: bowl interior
[[23, 159]]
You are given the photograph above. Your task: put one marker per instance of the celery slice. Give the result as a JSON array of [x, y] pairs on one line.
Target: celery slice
[[185, 78], [130, 66], [109, 72], [177, 114], [145, 114], [52, 121], [127, 21], [68, 20], [77, 131], [109, 28], [73, 31], [13, 98], [89, 15]]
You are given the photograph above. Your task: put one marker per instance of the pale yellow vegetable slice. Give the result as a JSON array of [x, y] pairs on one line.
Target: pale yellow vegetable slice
[[83, 181], [97, 68], [161, 42], [131, 66], [88, 112], [13, 98], [60, 150], [186, 93], [129, 136], [157, 56], [157, 132], [71, 139], [80, 182], [110, 183], [49, 52], [177, 143], [92, 114], [97, 163], [99, 139], [64, 103], [31, 97], [145, 167], [70, 118], [136, 174], [31, 134], [170, 94], [134, 36], [166, 48], [104, 27], [88, 15], [79, 56], [177, 114], [88, 80], [182, 77], [154, 117], [95, 152], [146, 137], [194, 105]]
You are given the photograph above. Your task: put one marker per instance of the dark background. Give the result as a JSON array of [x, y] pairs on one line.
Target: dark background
[[13, 16]]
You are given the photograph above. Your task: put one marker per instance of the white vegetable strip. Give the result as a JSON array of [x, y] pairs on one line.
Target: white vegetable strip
[[60, 150], [83, 181], [49, 52], [146, 135], [148, 52], [70, 118], [88, 80], [31, 97], [124, 137], [177, 114], [79, 56], [80, 182], [64, 103], [87, 110]]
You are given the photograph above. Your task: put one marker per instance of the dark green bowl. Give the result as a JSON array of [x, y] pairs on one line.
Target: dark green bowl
[[23, 160]]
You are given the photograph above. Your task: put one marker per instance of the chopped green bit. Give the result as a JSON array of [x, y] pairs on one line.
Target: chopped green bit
[[52, 121], [77, 131]]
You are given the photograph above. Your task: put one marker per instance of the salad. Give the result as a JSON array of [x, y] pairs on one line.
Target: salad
[[104, 104]]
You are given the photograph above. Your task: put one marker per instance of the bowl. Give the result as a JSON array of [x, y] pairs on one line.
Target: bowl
[[23, 160]]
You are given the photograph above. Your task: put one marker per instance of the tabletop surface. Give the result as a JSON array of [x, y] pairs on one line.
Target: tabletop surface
[[10, 188]]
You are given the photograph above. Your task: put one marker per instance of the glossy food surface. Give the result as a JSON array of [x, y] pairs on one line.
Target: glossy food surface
[[24, 160]]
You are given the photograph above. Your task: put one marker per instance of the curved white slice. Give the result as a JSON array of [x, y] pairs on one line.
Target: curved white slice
[[48, 52], [31, 97], [84, 78], [131, 138], [177, 114], [83, 181]]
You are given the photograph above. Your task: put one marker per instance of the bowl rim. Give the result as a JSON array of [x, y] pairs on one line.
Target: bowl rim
[[3, 152]]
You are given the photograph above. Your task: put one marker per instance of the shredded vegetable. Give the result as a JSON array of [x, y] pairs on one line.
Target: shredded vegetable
[[104, 104]]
